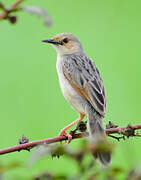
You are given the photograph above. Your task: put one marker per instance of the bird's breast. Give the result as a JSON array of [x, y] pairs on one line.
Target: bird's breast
[[69, 93], [66, 88]]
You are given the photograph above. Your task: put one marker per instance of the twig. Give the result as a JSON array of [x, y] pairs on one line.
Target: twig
[[39, 142], [32, 144], [122, 129], [10, 8], [117, 138]]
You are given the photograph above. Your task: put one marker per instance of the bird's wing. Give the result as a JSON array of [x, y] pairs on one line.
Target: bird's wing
[[84, 77]]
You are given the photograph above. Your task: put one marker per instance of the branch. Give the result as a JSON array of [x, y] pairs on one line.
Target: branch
[[126, 131], [36, 10], [11, 8]]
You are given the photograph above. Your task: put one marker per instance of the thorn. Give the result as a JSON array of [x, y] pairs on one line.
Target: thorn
[[24, 140], [111, 125], [12, 19], [129, 131]]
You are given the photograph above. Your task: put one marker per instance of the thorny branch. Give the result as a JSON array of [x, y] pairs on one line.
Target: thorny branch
[[11, 8], [7, 13], [24, 143]]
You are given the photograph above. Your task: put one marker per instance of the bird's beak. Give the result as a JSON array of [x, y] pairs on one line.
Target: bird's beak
[[52, 41]]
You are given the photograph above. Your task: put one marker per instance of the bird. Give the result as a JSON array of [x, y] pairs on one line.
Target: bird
[[82, 86]]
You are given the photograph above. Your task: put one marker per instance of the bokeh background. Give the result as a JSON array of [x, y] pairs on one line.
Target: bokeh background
[[31, 102]]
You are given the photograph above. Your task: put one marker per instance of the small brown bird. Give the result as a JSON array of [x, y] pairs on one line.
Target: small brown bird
[[82, 86]]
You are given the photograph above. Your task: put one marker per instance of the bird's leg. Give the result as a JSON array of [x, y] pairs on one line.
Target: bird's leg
[[63, 131]]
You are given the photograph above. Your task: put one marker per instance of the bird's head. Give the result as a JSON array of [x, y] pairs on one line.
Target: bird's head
[[65, 43]]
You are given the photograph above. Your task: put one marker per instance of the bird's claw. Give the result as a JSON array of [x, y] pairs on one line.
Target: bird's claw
[[68, 136]]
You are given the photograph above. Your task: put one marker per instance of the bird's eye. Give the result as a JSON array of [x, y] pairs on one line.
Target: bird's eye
[[66, 40]]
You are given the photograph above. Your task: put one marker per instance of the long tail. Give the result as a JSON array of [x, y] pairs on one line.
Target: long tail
[[96, 134]]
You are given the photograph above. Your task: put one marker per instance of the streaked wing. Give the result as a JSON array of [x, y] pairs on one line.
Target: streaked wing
[[84, 77]]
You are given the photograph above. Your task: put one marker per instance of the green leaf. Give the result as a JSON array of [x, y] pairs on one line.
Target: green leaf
[[1, 6]]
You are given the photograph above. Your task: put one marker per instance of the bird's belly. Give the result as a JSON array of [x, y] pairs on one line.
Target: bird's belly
[[76, 101]]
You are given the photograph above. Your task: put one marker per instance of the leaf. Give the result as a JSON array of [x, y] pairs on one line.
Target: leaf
[[1, 6], [59, 151], [40, 12], [10, 166], [40, 152], [101, 145], [44, 176], [45, 150], [49, 176], [134, 174]]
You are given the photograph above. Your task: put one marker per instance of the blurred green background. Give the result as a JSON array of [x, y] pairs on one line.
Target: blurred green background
[[31, 102]]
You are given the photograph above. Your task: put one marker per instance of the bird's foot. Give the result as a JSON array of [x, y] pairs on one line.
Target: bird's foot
[[68, 136]]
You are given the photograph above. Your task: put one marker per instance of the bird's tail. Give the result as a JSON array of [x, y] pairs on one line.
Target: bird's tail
[[97, 135]]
